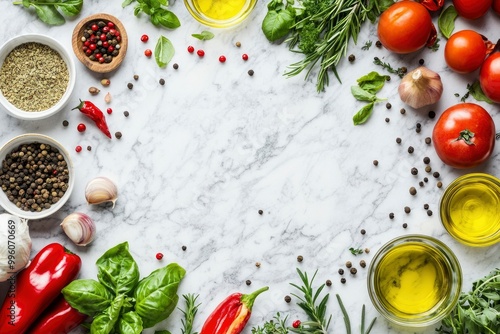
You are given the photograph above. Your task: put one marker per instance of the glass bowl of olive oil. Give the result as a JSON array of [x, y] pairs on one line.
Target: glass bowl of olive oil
[[220, 13], [470, 209], [414, 281]]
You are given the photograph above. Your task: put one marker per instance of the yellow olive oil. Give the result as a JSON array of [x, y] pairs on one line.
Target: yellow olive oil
[[219, 9], [412, 279], [473, 212]]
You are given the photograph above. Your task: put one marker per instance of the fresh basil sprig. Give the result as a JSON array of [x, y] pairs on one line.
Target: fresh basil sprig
[[368, 86], [158, 13], [204, 35], [51, 11], [164, 51], [279, 20], [446, 21], [119, 301]]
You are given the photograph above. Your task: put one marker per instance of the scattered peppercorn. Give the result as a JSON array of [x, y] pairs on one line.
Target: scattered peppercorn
[[89, 148], [391, 215], [432, 114], [404, 69], [175, 66], [159, 256], [427, 160], [130, 85], [418, 130], [388, 105], [341, 271], [421, 61], [162, 81], [136, 77], [144, 38], [342, 280], [300, 258], [398, 140], [328, 282], [363, 231], [414, 171], [148, 53], [250, 72], [190, 49], [405, 225], [261, 212], [94, 90], [351, 58], [348, 264], [421, 183], [387, 120], [288, 299], [375, 162], [362, 263], [244, 57], [118, 135], [435, 174], [126, 113], [426, 179], [184, 248], [353, 271], [257, 264], [296, 324], [411, 149], [367, 250], [78, 149], [418, 125], [402, 111], [439, 184], [429, 213], [65, 123], [426, 206], [428, 169], [413, 191], [238, 44], [222, 59], [81, 127], [109, 111], [200, 53], [248, 282], [407, 209], [428, 140], [378, 44]]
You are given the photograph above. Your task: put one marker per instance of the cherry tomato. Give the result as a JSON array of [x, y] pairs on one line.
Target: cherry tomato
[[472, 9], [405, 27], [465, 51], [489, 77], [496, 6], [464, 135]]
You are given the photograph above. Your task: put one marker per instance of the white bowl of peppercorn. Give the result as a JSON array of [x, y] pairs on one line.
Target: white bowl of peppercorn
[[100, 42], [36, 176], [37, 76]]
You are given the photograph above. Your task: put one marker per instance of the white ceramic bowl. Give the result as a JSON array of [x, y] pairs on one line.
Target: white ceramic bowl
[[55, 45], [26, 139]]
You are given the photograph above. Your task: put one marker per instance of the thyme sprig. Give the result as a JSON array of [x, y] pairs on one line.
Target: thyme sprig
[[277, 325], [401, 71], [190, 311]]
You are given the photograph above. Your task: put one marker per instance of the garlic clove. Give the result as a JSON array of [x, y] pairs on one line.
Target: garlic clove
[[420, 87], [101, 190], [80, 228]]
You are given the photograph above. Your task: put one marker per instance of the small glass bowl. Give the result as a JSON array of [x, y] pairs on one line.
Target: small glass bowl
[[414, 281], [470, 209], [36, 138], [199, 10]]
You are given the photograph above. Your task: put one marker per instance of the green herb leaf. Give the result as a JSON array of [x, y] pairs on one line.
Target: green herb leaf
[[70, 7], [164, 51], [49, 15], [104, 322], [130, 323], [87, 296], [277, 24], [117, 270], [362, 95], [372, 82], [189, 313], [204, 35], [166, 18], [363, 114], [367, 46], [48, 10], [125, 3], [446, 21], [156, 295], [477, 93], [355, 251]]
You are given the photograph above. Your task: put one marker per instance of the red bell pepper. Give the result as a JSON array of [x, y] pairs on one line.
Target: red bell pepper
[[231, 316], [58, 318], [34, 288]]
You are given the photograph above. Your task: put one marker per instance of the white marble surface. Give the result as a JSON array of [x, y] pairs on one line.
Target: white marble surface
[[201, 155]]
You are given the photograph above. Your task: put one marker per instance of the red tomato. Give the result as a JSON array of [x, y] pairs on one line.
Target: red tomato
[[489, 77], [472, 9], [496, 6], [464, 135], [404, 27], [465, 51]]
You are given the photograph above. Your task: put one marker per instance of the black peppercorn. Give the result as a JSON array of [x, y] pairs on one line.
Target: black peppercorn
[[378, 44], [426, 206], [418, 130], [351, 58], [184, 248], [89, 148], [402, 111], [421, 183], [413, 191], [136, 77], [162, 81], [175, 66], [428, 140], [407, 209], [426, 179], [341, 271], [388, 105], [300, 258], [118, 135], [435, 174], [353, 271], [398, 140], [363, 231], [387, 120], [130, 85], [348, 264], [65, 123], [126, 113], [248, 282], [250, 72], [328, 282], [375, 162], [288, 299], [405, 225], [421, 61], [411, 149], [391, 215], [427, 160], [432, 114], [414, 171], [261, 212], [429, 213], [342, 280]]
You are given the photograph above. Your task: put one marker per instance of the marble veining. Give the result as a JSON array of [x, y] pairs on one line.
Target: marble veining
[[201, 155]]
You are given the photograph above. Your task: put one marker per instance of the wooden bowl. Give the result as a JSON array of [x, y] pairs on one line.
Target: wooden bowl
[[77, 43]]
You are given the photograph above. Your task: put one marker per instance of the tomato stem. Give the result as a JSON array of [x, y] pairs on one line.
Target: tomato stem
[[466, 135]]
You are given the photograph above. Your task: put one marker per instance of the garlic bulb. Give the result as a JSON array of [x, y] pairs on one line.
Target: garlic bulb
[[420, 87], [101, 190], [80, 228], [15, 245]]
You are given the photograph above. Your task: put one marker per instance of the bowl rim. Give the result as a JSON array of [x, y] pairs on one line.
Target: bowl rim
[[92, 65], [29, 138], [54, 44], [455, 285], [450, 190], [229, 23]]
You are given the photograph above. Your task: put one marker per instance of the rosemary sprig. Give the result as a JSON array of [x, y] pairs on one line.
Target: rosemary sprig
[[189, 313], [277, 325], [401, 71], [367, 46]]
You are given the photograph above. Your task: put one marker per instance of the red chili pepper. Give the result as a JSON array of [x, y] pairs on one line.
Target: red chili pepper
[[58, 318], [34, 288], [232, 314], [89, 109]]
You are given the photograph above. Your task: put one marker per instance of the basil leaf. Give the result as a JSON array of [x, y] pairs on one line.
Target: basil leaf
[[87, 296], [49, 14], [125, 3], [477, 93], [372, 82], [70, 7], [117, 270], [130, 323], [204, 35], [363, 114], [277, 24], [166, 18], [362, 95], [156, 295], [164, 51], [446, 21], [105, 322]]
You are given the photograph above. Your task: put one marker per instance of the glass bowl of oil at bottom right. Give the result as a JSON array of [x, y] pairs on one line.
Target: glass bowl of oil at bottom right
[[470, 209], [414, 281]]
